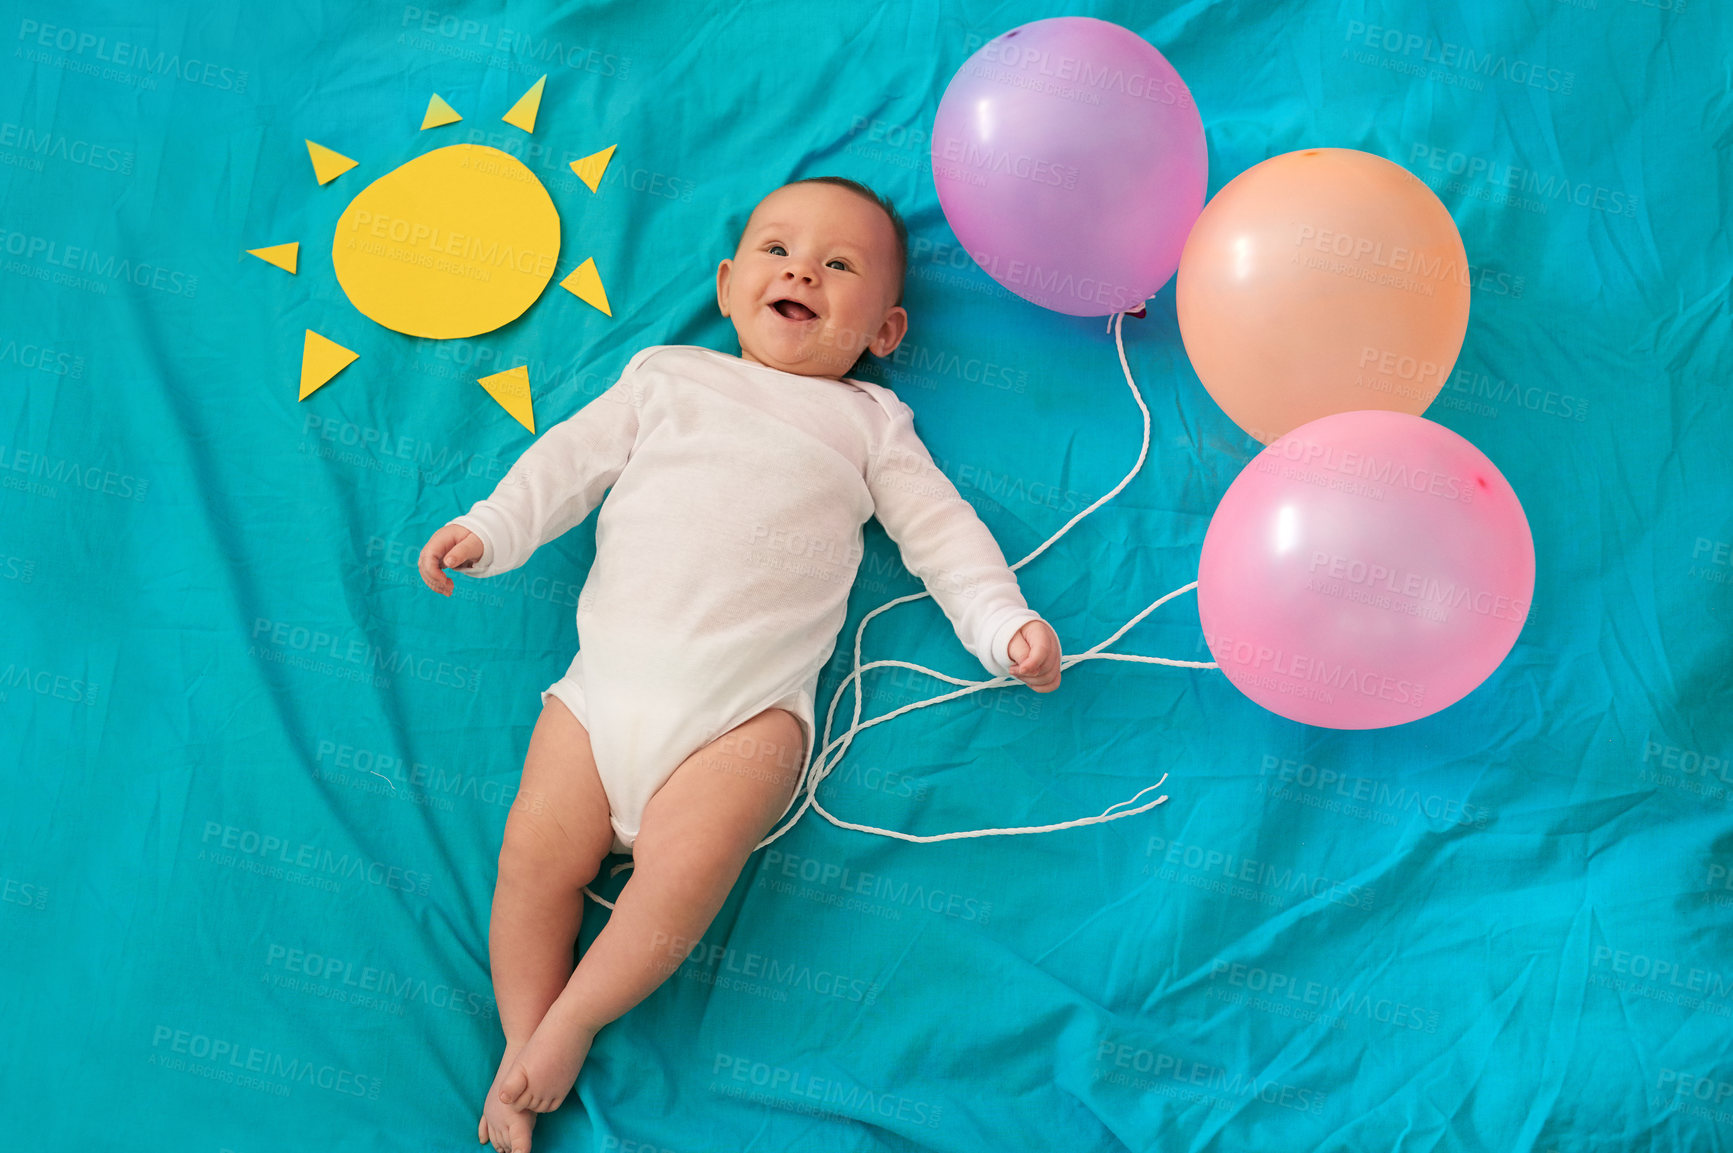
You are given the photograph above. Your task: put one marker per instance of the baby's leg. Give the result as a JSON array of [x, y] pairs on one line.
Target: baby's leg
[[696, 834], [556, 835]]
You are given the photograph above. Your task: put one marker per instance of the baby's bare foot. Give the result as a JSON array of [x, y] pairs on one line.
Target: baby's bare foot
[[506, 1126], [548, 1065]]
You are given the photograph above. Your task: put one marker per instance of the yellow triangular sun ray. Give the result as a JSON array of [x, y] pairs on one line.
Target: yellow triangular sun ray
[[523, 113], [438, 113], [585, 283], [511, 389], [328, 165], [321, 359], [281, 255], [591, 167]]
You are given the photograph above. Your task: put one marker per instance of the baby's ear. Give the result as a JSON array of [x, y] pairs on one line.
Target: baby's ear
[[723, 272], [891, 332]]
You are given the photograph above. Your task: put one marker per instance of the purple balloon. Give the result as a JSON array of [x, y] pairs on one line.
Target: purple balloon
[[1070, 162]]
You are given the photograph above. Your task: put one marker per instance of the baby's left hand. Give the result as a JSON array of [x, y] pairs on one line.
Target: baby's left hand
[[1034, 652]]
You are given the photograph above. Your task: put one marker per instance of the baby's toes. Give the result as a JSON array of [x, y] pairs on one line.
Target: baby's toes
[[514, 1090], [508, 1129], [518, 1130]]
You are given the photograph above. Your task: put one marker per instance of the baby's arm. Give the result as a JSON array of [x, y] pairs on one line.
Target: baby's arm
[[943, 542], [557, 481]]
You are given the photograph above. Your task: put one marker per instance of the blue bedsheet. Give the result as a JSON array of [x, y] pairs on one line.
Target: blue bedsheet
[[256, 775]]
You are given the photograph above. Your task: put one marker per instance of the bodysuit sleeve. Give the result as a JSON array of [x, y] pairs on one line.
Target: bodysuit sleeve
[[945, 543], [558, 480]]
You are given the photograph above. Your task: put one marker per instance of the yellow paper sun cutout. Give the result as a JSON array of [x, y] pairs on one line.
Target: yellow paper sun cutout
[[456, 242], [452, 243]]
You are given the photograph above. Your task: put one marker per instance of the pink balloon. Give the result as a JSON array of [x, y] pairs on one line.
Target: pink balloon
[[1070, 161], [1367, 569]]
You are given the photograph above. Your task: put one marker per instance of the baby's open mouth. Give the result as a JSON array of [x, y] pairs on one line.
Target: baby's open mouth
[[793, 310]]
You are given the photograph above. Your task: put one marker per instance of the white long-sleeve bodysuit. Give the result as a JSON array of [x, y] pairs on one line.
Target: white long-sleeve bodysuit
[[727, 547]]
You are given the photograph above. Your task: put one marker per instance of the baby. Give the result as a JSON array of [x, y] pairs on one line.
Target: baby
[[725, 551]]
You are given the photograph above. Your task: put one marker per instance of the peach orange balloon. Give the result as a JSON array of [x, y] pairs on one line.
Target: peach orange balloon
[[1322, 281]]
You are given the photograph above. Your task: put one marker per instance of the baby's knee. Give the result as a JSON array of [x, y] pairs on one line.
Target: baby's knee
[[535, 850]]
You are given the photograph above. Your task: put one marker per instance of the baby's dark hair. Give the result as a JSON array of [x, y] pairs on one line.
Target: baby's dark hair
[[889, 209]]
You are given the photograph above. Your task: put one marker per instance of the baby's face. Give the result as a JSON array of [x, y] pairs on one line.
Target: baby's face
[[834, 252]]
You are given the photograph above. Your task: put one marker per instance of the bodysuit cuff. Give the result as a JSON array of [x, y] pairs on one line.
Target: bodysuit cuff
[[478, 521], [998, 651]]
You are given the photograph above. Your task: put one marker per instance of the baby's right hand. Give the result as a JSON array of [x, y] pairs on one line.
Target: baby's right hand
[[451, 547]]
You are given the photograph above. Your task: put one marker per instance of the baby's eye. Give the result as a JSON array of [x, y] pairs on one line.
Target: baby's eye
[[842, 263], [773, 250]]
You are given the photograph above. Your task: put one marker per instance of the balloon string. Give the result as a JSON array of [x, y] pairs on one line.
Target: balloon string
[[824, 763], [833, 750]]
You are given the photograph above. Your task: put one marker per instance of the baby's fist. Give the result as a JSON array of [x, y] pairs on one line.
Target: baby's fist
[[1034, 653], [451, 547]]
